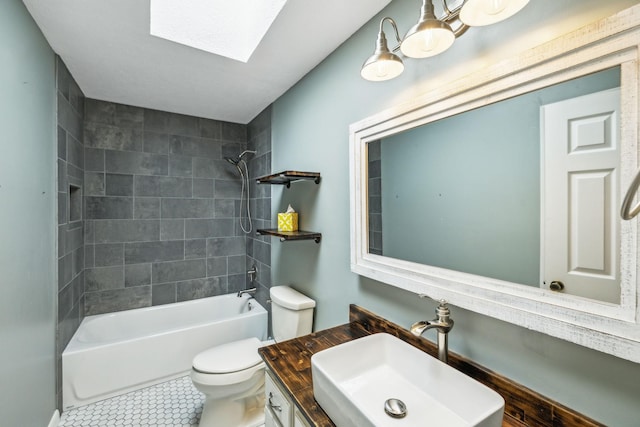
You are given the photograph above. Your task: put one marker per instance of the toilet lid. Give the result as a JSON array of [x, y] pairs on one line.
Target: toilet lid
[[231, 357]]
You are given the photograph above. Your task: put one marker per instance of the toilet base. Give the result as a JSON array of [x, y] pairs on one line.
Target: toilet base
[[247, 412]]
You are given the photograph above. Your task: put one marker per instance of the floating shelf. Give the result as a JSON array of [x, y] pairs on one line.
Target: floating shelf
[[291, 235], [287, 177]]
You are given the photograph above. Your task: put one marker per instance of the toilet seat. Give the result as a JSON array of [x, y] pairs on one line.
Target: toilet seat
[[228, 358], [226, 364]]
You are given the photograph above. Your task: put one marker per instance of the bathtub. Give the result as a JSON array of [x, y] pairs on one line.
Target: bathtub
[[114, 353]]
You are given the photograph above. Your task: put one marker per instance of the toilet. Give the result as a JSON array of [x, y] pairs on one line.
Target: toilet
[[231, 376]]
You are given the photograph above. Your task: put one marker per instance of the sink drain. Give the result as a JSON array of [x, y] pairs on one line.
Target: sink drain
[[395, 408]]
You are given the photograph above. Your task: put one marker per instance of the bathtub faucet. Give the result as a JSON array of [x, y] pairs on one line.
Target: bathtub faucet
[[250, 291]]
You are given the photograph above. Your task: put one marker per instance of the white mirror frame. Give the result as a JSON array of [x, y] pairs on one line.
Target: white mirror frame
[[610, 328]]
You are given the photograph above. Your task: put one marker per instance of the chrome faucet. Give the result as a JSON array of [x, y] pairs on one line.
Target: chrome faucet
[[250, 291], [443, 323]]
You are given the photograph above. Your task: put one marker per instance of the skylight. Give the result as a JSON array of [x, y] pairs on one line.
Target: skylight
[[230, 28]]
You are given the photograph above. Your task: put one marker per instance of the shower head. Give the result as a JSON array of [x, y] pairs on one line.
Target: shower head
[[237, 160], [232, 161]]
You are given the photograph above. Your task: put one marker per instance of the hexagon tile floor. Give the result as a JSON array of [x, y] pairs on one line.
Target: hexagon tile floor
[[174, 403]]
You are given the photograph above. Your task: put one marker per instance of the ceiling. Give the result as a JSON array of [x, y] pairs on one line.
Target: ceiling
[[108, 49]]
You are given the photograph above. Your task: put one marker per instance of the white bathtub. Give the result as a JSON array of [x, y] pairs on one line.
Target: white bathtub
[[114, 353]]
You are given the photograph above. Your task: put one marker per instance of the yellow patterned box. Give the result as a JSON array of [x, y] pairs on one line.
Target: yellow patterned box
[[288, 221]]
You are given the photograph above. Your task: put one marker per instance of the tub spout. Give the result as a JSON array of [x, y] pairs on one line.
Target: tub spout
[[250, 291]]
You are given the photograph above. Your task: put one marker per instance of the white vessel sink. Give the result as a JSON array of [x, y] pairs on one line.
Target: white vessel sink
[[352, 382]]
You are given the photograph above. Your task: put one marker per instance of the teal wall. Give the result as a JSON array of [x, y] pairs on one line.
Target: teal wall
[[310, 132], [459, 195], [27, 220]]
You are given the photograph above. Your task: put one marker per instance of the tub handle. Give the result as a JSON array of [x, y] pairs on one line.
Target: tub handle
[[272, 406]]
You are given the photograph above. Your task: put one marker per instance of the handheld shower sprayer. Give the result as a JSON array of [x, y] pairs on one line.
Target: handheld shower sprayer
[[236, 161], [244, 175]]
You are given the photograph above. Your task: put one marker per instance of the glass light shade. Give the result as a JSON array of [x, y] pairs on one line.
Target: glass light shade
[[427, 38], [382, 66], [477, 13]]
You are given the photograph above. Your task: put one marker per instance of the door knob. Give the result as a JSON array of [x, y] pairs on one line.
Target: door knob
[[556, 286]]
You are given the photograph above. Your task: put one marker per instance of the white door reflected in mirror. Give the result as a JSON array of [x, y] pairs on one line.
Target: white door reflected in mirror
[[581, 161]]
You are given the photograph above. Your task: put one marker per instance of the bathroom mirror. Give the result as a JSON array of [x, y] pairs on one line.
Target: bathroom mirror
[[456, 194], [477, 228]]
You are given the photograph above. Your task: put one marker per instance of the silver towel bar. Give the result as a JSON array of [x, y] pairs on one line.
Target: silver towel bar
[[626, 212]]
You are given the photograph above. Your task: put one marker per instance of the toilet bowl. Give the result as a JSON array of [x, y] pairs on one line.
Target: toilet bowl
[[231, 376]]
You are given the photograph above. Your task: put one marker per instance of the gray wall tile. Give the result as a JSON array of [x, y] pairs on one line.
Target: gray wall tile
[[150, 159], [164, 293], [217, 266], [233, 132], [137, 275], [201, 288], [154, 251], [196, 147], [62, 208], [179, 124], [68, 118], [237, 264], [146, 208], [187, 208], [210, 128], [225, 208], [220, 169], [172, 229], [226, 246], [94, 159], [104, 278], [136, 163], [119, 185], [109, 113], [117, 300], [195, 248], [154, 142], [109, 254], [75, 152], [203, 228], [156, 121], [94, 184], [112, 138], [225, 189], [89, 256], [109, 207], [162, 186], [109, 231], [164, 272], [236, 282], [180, 165], [62, 143], [203, 188]]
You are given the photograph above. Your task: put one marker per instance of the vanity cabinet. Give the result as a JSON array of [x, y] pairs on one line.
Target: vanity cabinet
[[278, 406], [298, 419]]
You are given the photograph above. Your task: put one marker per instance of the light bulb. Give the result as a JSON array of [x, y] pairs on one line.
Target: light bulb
[[493, 7], [487, 12], [430, 41], [381, 69]]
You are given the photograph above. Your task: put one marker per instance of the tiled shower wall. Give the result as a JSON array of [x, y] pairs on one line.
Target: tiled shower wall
[[259, 247], [375, 197], [162, 207], [70, 221]]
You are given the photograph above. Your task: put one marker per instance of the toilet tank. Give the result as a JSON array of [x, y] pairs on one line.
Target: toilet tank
[[291, 313]]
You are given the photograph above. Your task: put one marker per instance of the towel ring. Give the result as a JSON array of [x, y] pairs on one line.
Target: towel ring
[[626, 212]]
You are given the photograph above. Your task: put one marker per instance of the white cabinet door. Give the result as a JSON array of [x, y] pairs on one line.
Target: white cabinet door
[[580, 174]]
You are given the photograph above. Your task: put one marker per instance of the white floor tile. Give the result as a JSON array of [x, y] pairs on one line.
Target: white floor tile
[[174, 403]]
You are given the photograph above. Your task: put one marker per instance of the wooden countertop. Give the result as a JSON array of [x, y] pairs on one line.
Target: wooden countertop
[[290, 361]]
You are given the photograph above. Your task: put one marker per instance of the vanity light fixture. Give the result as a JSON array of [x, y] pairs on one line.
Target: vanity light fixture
[[432, 35]]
